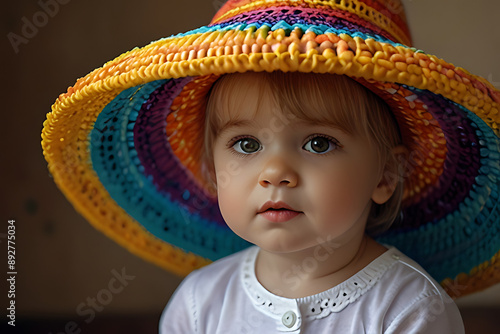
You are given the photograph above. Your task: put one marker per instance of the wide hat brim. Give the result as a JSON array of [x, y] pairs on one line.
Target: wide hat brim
[[123, 144]]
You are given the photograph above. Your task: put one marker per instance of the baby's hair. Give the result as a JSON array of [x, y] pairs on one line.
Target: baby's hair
[[326, 99]]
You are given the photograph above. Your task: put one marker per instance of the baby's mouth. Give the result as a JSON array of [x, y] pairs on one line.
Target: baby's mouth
[[279, 215], [276, 206], [277, 212]]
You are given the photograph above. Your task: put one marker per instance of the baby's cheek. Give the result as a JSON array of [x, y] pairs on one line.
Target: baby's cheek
[[229, 203], [338, 198], [224, 200], [228, 172]]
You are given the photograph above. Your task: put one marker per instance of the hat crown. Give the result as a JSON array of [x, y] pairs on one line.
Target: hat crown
[[384, 17]]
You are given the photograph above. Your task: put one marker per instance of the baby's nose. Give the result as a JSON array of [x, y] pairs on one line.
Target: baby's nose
[[278, 172]]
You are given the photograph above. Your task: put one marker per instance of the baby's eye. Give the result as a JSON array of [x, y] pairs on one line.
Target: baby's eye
[[246, 146], [320, 145]]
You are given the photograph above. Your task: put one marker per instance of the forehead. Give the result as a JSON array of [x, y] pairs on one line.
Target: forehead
[[244, 96]]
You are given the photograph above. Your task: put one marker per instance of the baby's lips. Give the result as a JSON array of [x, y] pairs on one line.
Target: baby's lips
[[280, 205]]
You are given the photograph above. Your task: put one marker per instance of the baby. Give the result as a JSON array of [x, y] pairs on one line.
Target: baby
[[305, 160]]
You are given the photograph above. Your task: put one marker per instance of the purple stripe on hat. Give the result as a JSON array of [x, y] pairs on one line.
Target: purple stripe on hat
[[460, 167], [307, 16], [159, 161]]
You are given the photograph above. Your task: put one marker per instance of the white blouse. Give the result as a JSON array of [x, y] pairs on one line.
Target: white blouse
[[393, 294]]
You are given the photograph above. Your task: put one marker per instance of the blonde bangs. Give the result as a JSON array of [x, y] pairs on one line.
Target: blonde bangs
[[228, 95], [319, 98]]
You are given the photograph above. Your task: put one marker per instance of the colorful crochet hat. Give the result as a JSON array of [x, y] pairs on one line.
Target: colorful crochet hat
[[123, 143]]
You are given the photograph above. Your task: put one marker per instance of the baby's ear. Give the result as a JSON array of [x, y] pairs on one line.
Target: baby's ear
[[392, 174]]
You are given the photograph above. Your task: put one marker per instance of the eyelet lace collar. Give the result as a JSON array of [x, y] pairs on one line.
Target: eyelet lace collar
[[316, 306]]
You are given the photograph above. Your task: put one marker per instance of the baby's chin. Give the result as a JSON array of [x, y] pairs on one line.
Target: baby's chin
[[286, 244]]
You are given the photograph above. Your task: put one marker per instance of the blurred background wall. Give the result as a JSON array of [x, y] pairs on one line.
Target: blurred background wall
[[62, 262]]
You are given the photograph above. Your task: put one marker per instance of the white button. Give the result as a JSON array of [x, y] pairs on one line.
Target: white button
[[289, 319]]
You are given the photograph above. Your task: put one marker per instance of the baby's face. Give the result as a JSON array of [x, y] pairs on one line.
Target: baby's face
[[286, 184]]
